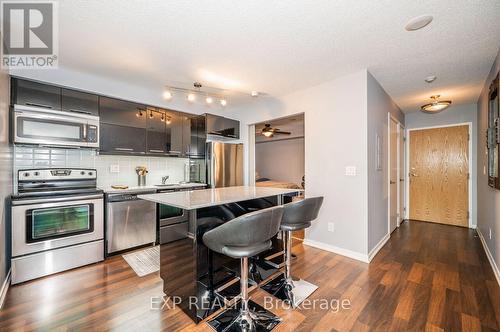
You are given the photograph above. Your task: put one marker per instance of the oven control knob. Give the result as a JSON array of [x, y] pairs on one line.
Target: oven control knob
[[82, 173], [37, 173], [26, 174], [90, 173]]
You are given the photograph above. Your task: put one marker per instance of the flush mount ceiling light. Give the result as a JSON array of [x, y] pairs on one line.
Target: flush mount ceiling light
[[418, 22], [436, 105], [430, 79]]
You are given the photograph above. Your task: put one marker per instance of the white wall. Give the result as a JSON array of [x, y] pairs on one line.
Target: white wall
[[379, 104], [280, 160], [488, 199], [5, 176], [453, 115], [335, 137]]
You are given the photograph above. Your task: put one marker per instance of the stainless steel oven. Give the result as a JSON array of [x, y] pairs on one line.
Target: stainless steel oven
[[55, 227], [34, 125], [55, 222]]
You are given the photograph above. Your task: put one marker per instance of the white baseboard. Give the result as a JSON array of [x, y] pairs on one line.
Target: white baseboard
[[337, 250], [379, 246], [5, 288], [494, 266]]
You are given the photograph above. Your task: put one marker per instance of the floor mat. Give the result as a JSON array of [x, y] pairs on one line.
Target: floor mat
[[145, 261]]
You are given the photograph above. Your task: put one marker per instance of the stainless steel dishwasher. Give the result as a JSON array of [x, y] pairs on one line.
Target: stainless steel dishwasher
[[130, 221]]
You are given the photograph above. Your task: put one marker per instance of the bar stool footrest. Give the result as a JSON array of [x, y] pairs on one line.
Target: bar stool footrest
[[293, 294], [230, 319]]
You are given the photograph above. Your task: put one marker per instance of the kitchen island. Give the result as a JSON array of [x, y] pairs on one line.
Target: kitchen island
[[201, 281]]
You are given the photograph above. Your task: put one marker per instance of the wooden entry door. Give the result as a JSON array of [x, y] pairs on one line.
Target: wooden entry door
[[439, 172]]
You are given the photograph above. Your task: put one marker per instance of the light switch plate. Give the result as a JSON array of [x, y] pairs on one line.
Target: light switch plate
[[350, 170], [114, 168]]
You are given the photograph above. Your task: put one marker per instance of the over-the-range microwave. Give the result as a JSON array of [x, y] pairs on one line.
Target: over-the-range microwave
[[34, 125]]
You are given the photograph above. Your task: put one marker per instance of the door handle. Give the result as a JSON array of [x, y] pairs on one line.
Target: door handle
[[39, 105]]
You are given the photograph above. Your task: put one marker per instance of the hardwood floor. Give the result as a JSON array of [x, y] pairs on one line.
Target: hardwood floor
[[427, 277]]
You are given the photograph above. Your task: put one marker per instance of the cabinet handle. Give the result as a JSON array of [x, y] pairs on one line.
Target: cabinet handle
[[174, 152], [124, 149], [39, 105], [84, 134], [157, 151], [230, 135], [79, 111]]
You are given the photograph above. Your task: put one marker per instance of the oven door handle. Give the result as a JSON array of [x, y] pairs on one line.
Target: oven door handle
[[54, 200]]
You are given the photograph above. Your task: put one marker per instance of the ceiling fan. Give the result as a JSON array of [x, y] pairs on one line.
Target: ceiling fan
[[268, 131]]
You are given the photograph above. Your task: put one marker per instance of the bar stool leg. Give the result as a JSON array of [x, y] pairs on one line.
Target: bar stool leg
[[245, 319], [284, 287], [250, 316]]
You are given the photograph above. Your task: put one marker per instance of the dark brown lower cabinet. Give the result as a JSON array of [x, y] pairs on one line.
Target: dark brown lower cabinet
[[116, 139]]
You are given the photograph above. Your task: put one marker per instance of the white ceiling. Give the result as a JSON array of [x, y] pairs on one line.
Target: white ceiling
[[281, 46]]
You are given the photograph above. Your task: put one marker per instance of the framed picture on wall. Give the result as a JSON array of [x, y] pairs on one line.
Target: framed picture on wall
[[493, 135], [378, 153]]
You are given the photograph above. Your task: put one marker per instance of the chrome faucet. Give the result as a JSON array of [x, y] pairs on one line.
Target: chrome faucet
[[164, 179]]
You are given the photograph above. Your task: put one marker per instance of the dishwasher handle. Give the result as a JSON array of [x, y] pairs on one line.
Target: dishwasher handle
[[125, 197]]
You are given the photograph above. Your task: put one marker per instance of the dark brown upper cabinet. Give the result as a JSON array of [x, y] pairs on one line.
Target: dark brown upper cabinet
[[36, 94], [493, 135], [116, 139], [174, 125], [122, 113], [156, 135], [186, 135], [198, 137], [80, 102], [221, 126]]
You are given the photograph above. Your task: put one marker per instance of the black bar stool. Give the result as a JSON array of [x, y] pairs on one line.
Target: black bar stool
[[242, 238], [296, 216]]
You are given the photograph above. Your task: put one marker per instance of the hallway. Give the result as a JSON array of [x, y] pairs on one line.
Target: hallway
[[437, 275]]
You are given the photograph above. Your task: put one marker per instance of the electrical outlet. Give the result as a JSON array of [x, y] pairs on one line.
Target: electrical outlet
[[490, 233], [331, 227], [114, 168], [350, 170]]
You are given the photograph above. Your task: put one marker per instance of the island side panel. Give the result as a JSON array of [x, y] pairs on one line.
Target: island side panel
[[178, 271]]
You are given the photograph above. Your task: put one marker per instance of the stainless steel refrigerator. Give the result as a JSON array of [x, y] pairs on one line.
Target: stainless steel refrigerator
[[224, 163]]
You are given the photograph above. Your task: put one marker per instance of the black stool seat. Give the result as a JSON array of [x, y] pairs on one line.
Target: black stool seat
[[244, 237], [299, 215], [247, 235], [296, 216]]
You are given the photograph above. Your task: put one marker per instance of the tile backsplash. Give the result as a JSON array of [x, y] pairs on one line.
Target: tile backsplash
[[38, 157]]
